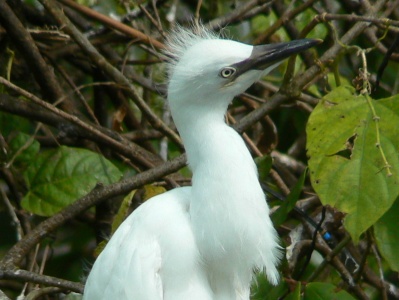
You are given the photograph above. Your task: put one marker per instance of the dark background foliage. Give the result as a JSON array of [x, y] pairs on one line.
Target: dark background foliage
[[83, 123]]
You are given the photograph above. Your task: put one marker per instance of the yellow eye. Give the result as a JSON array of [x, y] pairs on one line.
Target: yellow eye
[[227, 72]]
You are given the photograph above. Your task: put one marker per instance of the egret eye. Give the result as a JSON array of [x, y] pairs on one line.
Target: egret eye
[[227, 72]]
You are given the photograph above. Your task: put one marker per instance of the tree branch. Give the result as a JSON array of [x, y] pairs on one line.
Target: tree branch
[[23, 41], [63, 121], [16, 254], [92, 14], [108, 69]]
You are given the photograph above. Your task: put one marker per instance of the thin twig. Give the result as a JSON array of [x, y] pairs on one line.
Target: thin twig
[[381, 271], [110, 70], [131, 150], [329, 257], [13, 273], [273, 174], [153, 21], [365, 91], [386, 22], [39, 293], [197, 13], [113, 23], [220, 22], [13, 215], [362, 263], [40, 70], [288, 15]]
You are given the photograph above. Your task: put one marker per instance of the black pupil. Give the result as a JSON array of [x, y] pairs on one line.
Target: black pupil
[[227, 72]]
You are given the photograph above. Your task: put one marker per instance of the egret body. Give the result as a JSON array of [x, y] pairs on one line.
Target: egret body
[[201, 242]]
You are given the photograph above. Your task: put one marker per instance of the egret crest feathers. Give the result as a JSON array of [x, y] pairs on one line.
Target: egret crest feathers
[[180, 39]]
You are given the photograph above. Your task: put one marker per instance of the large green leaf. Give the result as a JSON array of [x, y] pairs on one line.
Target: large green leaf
[[346, 167], [325, 291], [386, 232], [58, 177]]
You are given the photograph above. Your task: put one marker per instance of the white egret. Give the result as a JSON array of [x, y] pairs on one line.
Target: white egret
[[201, 242]]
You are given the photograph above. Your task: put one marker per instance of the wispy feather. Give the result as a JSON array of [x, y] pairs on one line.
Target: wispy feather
[[181, 39]]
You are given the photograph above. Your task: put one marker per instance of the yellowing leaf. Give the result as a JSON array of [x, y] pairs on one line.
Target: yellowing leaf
[[346, 168], [152, 190], [100, 247], [122, 211]]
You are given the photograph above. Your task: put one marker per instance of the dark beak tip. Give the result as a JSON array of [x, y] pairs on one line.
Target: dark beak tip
[[304, 44], [317, 41], [309, 43]]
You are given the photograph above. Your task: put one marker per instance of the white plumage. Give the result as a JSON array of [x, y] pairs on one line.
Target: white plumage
[[201, 242]]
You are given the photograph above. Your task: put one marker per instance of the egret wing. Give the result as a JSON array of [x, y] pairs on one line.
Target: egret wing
[[152, 255]]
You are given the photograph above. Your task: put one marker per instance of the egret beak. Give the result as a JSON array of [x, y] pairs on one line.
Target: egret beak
[[263, 56]]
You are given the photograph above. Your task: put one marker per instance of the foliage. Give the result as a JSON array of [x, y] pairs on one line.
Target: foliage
[[85, 135], [55, 178], [354, 164]]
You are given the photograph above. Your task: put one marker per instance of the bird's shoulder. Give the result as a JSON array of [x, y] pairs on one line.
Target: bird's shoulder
[[137, 248], [155, 216]]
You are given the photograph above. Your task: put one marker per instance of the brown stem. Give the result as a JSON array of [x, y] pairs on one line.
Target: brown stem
[[113, 23], [26, 276], [74, 126], [288, 15]]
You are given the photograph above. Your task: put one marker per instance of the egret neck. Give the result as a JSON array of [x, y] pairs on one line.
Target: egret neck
[[228, 210]]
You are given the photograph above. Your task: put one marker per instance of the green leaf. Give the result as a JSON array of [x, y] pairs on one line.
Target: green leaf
[[59, 177], [264, 165], [281, 213], [346, 168], [295, 294], [10, 123], [118, 220], [262, 289], [302, 20], [263, 21], [73, 296], [23, 148], [386, 232], [332, 82], [325, 291], [151, 190]]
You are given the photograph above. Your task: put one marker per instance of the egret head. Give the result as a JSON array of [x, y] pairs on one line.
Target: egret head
[[205, 67]]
